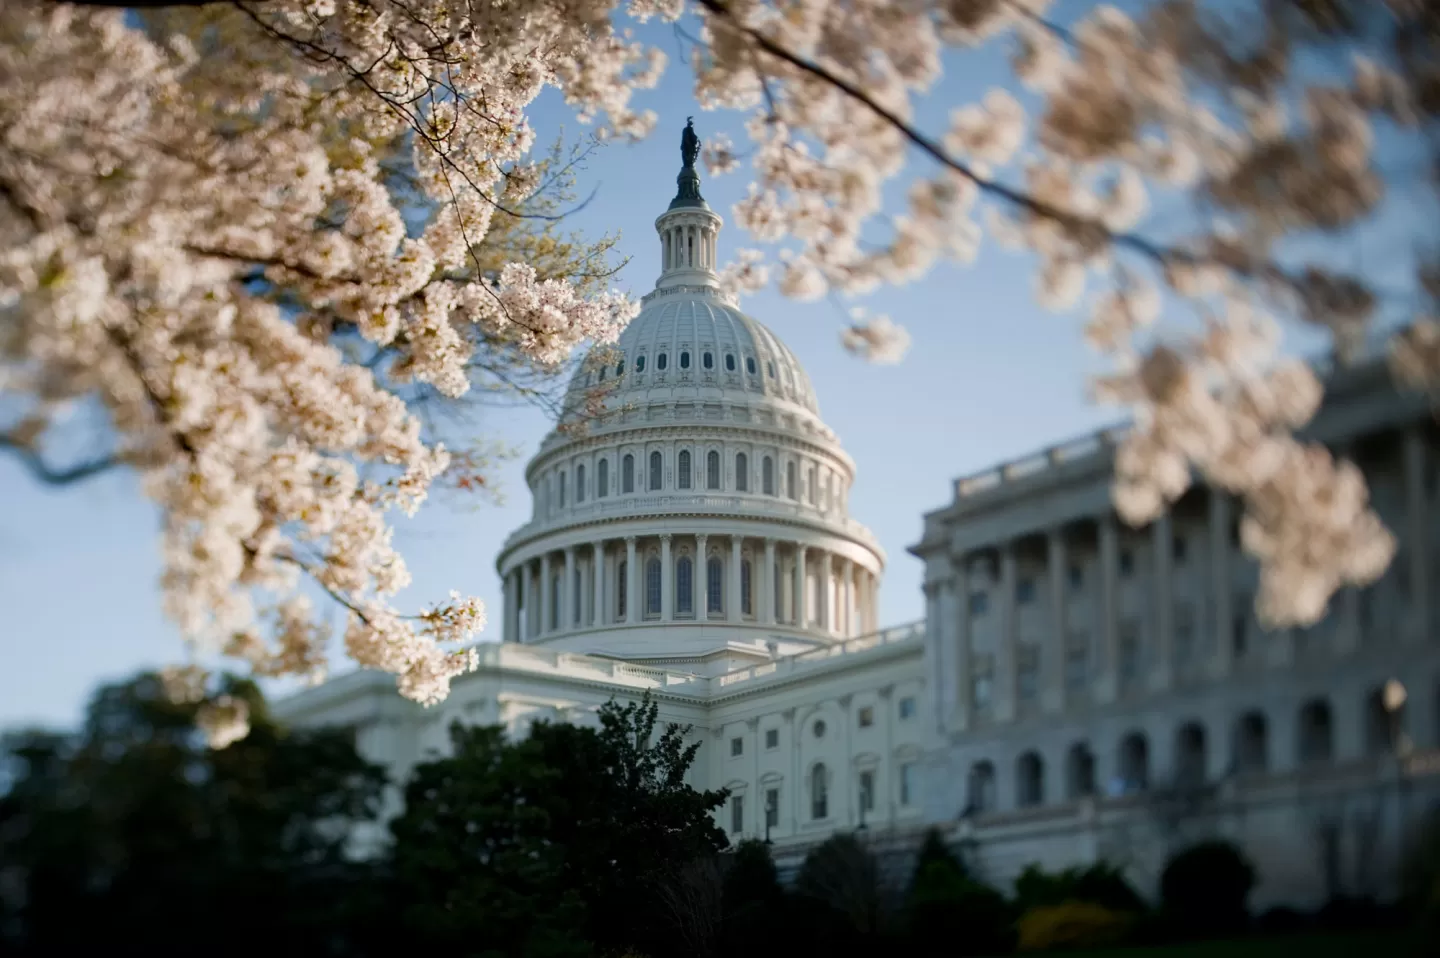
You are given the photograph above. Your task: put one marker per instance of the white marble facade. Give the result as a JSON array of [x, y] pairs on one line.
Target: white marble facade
[[1078, 689]]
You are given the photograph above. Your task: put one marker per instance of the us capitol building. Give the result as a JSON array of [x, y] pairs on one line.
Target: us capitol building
[[1078, 689]]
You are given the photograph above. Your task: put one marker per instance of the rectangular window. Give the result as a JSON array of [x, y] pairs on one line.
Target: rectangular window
[[1027, 675], [737, 747], [1025, 590], [907, 707], [907, 784], [1077, 577], [980, 689], [1129, 651], [772, 738], [1127, 563], [737, 813], [1184, 632], [1178, 550], [865, 717], [1077, 662], [867, 791], [772, 808], [746, 603], [714, 583], [979, 603]]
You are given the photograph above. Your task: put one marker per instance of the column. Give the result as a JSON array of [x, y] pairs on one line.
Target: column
[[960, 611], [699, 591], [1054, 651], [772, 601], [1108, 637], [597, 607], [822, 585], [547, 605], [532, 603], [1222, 590], [1417, 513], [568, 618], [936, 634], [732, 605], [799, 589], [1005, 646], [1162, 616], [512, 607], [843, 592], [667, 579], [632, 575]]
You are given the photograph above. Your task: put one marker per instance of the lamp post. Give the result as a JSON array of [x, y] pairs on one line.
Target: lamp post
[[1392, 698], [769, 812]]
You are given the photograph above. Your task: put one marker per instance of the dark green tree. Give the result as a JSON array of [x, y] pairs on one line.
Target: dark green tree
[[133, 831], [557, 844], [1205, 889], [947, 912], [754, 903]]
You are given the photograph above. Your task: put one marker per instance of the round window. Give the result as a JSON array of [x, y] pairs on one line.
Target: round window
[[819, 728]]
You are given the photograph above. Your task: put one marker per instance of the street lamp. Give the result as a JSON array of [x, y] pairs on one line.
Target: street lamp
[[1392, 698]]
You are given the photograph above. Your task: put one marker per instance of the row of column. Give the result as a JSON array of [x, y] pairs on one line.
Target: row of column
[[948, 603], [687, 247], [529, 585]]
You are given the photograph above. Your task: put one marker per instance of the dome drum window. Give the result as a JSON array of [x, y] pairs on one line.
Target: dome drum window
[[750, 365], [708, 360], [685, 359], [729, 362], [640, 364], [661, 361]]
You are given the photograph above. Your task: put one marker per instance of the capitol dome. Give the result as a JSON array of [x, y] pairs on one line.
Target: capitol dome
[[691, 505]]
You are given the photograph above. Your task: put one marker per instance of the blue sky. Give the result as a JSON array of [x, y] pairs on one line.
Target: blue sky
[[990, 377]]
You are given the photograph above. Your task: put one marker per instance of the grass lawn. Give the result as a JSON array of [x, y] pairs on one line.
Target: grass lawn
[[1360, 945]]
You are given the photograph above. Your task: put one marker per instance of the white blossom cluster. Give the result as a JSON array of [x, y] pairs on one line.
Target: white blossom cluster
[[157, 178], [1126, 107]]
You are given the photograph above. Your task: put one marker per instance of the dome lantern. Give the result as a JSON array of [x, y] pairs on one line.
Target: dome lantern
[[689, 228]]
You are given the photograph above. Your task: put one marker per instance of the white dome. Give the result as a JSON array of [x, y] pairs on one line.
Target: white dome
[[690, 343], [692, 505]]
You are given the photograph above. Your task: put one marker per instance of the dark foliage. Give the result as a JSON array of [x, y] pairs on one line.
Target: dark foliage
[[1204, 889], [557, 845], [132, 831], [1099, 884], [947, 912]]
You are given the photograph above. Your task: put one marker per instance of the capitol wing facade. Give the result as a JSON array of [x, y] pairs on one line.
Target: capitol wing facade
[[1077, 691]]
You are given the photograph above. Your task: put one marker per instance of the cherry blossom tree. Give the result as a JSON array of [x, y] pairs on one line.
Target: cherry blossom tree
[[199, 226]]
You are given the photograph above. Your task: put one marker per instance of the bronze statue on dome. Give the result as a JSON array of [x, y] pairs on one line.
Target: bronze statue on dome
[[689, 143]]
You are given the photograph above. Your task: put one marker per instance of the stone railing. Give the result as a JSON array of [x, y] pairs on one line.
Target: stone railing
[[572, 665], [749, 506], [914, 631], [1063, 454]]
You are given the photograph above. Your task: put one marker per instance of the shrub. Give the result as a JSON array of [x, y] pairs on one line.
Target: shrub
[[1204, 889], [1099, 884], [1420, 873], [951, 914], [1073, 924]]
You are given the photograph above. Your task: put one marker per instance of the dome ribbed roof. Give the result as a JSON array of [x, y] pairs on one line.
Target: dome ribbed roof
[[692, 343]]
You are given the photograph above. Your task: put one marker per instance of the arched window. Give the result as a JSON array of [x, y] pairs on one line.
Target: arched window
[[602, 478], [790, 480], [750, 365], [712, 470], [770, 368], [767, 476], [1080, 771], [620, 369], [729, 362], [980, 788], [1030, 780], [819, 792], [1252, 747], [1317, 734], [627, 474], [742, 472], [685, 586], [714, 583], [662, 361], [652, 587], [580, 483], [682, 470], [622, 589], [639, 364], [708, 360], [1134, 764], [685, 359], [603, 371], [745, 601], [562, 490], [657, 470]]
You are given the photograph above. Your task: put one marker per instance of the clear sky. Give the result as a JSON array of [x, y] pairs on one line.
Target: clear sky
[[990, 377]]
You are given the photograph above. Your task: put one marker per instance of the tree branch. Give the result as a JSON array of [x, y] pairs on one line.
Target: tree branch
[[50, 475]]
